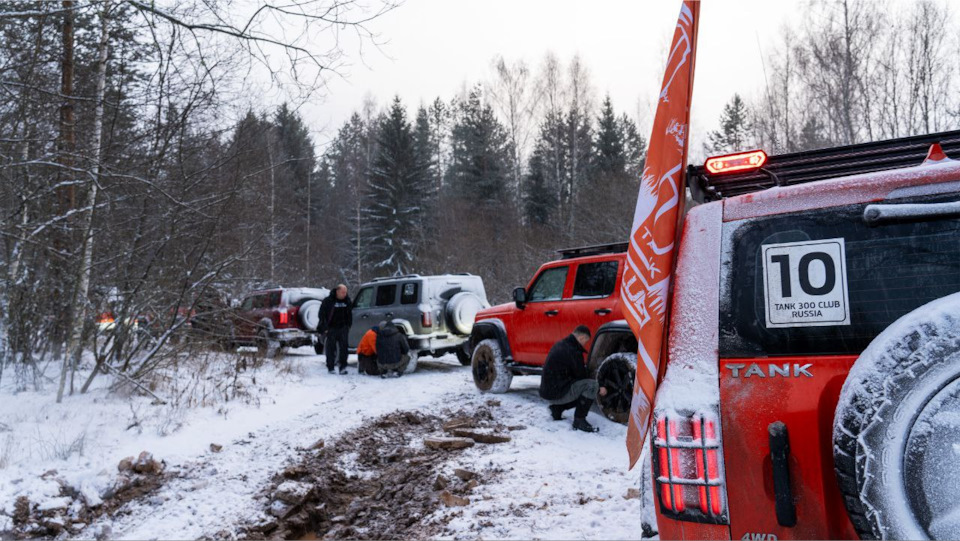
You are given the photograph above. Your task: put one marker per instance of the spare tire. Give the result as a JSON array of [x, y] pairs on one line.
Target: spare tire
[[617, 373], [309, 314], [462, 310], [895, 436]]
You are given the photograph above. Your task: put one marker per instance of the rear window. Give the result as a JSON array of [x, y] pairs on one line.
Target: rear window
[[386, 294], [798, 264], [595, 279], [410, 293]]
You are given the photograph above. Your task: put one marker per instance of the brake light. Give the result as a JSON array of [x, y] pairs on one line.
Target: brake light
[[284, 317], [686, 455], [105, 317], [732, 163], [426, 318]]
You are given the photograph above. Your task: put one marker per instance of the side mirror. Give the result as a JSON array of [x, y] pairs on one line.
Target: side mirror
[[520, 297]]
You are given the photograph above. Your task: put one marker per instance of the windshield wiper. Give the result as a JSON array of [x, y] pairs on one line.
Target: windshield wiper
[[875, 214]]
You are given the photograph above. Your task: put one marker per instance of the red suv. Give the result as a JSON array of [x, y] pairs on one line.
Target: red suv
[[272, 319], [812, 388], [581, 288]]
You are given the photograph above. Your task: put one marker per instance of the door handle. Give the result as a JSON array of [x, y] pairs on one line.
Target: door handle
[[602, 311], [364, 316], [552, 313], [389, 315]]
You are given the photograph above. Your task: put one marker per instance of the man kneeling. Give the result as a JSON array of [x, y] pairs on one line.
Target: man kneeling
[[566, 382], [393, 351]]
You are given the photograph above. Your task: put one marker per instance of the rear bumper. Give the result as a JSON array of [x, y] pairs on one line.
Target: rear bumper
[[436, 343], [294, 337]]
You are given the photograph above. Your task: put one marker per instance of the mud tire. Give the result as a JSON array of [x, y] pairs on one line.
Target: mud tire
[[883, 398], [266, 346], [490, 371], [617, 373], [463, 355], [412, 363]]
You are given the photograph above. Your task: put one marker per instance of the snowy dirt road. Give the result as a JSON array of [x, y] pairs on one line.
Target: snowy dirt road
[[546, 482]]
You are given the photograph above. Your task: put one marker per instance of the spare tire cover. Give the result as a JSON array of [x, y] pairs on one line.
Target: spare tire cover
[[894, 477], [462, 311], [309, 314]]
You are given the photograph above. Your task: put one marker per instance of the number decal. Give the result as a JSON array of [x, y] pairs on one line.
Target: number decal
[[805, 284]]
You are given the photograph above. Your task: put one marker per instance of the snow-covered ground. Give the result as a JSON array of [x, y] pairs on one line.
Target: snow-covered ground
[[556, 483]]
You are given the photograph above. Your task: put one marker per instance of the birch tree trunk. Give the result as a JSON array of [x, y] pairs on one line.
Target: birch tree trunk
[[75, 345]]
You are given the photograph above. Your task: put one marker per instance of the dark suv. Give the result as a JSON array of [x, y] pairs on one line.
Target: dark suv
[[272, 319], [436, 313]]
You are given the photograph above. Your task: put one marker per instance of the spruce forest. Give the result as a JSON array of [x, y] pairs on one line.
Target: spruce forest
[[132, 168]]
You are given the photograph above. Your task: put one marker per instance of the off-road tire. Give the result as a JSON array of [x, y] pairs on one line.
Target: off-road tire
[[463, 355], [266, 346], [882, 398], [490, 372], [617, 373], [412, 364]]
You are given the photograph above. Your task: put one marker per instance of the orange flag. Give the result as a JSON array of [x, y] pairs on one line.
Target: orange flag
[[646, 279]]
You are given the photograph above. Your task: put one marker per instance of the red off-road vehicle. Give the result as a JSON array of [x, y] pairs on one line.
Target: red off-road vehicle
[[813, 382], [581, 288], [272, 319]]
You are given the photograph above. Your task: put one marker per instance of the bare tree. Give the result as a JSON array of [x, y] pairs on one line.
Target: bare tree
[[515, 101]]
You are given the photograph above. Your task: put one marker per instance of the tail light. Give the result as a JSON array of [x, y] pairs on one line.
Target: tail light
[[426, 318], [105, 317], [688, 467], [284, 317]]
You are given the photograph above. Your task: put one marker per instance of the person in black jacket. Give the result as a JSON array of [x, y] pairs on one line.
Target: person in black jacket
[[336, 317], [392, 350], [566, 382]]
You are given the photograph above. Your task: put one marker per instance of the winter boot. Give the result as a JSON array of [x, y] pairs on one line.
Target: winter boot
[[556, 410], [343, 370], [582, 424]]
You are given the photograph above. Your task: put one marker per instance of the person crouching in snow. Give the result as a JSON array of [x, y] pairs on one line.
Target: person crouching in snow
[[566, 382], [367, 353], [392, 351]]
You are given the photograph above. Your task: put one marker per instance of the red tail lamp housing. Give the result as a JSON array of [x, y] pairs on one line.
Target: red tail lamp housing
[[688, 468], [426, 319], [733, 163], [284, 317]]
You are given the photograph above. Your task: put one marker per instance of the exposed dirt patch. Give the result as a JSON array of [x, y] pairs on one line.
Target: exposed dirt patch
[[72, 512], [377, 482]]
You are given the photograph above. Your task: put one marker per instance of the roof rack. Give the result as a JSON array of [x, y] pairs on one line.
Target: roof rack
[[399, 277], [812, 165], [597, 249]]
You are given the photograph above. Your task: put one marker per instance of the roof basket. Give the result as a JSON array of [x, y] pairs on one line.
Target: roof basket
[[399, 277], [827, 163], [597, 249]]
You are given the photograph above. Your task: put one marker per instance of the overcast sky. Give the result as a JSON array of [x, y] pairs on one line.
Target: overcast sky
[[432, 46]]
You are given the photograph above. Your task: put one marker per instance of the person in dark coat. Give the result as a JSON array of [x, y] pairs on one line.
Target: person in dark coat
[[392, 351], [336, 317], [566, 382]]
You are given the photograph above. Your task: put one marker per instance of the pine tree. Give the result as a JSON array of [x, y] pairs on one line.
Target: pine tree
[[734, 132], [480, 154], [539, 203], [398, 179], [349, 168], [610, 157]]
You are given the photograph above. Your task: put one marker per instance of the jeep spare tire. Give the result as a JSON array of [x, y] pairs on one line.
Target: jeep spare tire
[[309, 315], [895, 433], [490, 372], [461, 312], [616, 373]]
